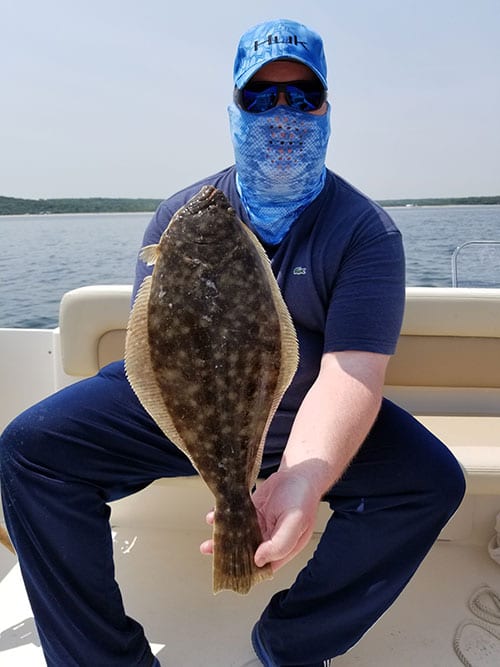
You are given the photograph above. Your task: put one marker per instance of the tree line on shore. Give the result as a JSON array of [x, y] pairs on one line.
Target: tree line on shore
[[17, 206]]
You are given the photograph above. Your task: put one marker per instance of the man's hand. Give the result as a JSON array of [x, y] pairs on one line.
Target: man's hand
[[287, 505]]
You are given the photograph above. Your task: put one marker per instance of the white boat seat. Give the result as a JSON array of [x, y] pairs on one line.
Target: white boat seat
[[446, 370], [92, 327]]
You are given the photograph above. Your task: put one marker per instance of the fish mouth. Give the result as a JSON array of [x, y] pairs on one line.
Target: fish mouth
[[205, 214], [209, 196], [208, 192], [203, 199]]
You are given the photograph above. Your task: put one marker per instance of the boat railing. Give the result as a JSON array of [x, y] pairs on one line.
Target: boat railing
[[474, 260]]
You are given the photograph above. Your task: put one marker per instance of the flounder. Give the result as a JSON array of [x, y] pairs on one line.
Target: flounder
[[210, 351]]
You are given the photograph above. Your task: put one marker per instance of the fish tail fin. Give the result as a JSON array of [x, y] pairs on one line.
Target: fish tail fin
[[235, 544]]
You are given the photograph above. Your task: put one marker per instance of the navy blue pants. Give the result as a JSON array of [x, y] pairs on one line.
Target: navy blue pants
[[65, 458]]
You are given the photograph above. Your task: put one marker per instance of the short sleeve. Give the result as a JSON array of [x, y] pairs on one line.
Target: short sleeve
[[367, 302]]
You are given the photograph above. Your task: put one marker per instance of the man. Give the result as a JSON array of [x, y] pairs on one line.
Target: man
[[392, 485]]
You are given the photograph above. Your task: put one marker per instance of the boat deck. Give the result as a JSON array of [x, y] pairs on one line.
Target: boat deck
[[166, 585]]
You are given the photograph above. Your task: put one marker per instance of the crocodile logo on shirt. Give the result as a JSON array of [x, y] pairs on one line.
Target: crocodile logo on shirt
[[300, 271]]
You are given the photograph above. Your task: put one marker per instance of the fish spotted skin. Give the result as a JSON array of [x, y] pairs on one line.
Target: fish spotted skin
[[210, 351]]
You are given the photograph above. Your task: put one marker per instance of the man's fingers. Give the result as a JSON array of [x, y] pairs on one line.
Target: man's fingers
[[283, 541], [207, 547]]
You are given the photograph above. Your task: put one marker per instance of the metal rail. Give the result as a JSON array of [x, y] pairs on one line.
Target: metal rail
[[458, 250]]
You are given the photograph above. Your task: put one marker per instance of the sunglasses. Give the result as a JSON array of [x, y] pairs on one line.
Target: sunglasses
[[261, 96]]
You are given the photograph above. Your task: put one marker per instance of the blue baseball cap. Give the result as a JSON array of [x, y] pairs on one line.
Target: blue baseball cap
[[278, 40]]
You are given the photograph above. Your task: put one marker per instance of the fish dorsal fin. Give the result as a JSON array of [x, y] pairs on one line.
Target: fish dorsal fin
[[138, 366], [289, 345], [150, 253]]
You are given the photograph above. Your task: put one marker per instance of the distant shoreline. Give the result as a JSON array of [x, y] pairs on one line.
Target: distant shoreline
[[17, 206]]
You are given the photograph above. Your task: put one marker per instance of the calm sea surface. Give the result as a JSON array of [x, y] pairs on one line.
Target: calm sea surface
[[41, 257]]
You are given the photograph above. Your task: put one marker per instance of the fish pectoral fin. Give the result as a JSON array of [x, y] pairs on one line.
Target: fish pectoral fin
[[150, 253]]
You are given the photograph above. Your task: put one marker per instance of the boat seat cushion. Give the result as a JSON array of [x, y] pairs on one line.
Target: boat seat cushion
[[92, 326], [446, 369]]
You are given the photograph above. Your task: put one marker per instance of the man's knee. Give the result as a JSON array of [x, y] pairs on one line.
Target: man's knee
[[450, 483], [25, 437]]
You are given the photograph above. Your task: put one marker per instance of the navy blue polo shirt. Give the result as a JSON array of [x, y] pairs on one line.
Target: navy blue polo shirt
[[340, 269]]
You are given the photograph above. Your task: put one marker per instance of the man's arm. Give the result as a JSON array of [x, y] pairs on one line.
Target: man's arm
[[331, 424]]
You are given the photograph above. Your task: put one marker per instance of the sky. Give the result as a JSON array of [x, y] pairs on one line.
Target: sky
[[122, 98]]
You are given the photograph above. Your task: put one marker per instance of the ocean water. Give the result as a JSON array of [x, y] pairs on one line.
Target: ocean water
[[432, 233], [41, 257]]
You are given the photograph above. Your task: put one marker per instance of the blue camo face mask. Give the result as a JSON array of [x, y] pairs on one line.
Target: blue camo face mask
[[280, 164]]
